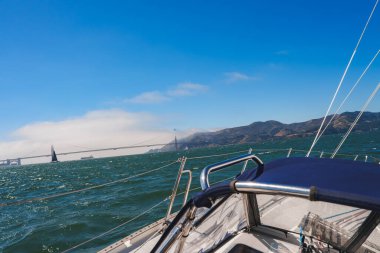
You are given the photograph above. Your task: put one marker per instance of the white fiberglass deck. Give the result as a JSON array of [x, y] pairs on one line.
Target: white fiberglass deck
[[228, 222]]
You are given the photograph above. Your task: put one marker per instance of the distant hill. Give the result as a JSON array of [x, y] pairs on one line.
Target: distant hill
[[270, 130]]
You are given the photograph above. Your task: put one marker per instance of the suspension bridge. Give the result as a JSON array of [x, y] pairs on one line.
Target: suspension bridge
[[17, 161]]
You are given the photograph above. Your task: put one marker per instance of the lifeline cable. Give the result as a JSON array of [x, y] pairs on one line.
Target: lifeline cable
[[208, 156], [118, 226], [80, 190]]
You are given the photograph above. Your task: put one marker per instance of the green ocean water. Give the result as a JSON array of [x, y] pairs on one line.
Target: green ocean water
[[60, 223]]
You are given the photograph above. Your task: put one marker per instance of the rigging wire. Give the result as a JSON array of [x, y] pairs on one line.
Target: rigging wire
[[356, 120], [341, 80], [20, 202], [349, 94], [83, 189], [140, 174], [134, 218], [243, 151], [118, 226], [264, 151], [147, 211]]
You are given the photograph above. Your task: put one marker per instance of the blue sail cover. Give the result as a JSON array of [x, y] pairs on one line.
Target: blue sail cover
[[338, 181]]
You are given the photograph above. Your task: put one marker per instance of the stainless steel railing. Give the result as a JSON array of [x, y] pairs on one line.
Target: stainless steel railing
[[176, 184], [224, 164]]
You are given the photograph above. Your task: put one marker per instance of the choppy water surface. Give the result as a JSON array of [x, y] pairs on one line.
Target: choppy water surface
[[60, 223]]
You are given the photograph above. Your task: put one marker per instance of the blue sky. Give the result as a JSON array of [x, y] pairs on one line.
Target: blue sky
[[188, 64]]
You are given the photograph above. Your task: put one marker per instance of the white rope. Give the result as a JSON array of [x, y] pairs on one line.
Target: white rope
[[81, 190], [112, 229], [356, 120], [348, 95], [341, 80]]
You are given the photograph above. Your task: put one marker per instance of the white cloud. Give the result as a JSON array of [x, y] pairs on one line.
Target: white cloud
[[233, 77], [187, 89], [154, 97], [96, 129]]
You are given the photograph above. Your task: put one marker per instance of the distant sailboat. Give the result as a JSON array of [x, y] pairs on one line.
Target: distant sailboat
[[54, 158]]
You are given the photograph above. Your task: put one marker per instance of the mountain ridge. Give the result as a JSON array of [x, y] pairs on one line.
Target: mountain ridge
[[268, 130]]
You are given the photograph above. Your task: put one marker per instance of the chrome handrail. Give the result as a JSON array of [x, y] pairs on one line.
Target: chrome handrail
[[262, 188], [221, 165]]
